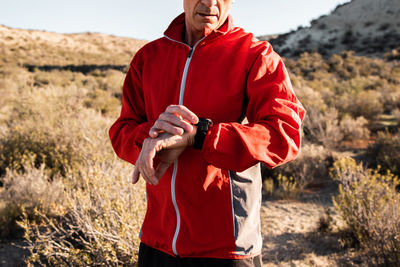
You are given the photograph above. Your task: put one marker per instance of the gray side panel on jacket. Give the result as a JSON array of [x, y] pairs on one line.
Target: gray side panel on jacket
[[246, 202]]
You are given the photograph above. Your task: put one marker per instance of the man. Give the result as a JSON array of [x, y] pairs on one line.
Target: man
[[184, 100]]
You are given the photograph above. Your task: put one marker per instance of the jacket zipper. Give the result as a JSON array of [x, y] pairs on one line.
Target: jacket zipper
[[184, 76], [175, 170], [178, 215], [174, 173]]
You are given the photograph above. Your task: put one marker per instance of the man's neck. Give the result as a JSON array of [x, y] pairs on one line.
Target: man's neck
[[191, 37]]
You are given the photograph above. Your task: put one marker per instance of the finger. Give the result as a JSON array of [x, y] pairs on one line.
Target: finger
[[139, 169], [135, 176], [162, 125], [177, 121], [145, 161], [148, 178], [145, 177], [148, 167], [184, 112], [154, 131], [161, 169]]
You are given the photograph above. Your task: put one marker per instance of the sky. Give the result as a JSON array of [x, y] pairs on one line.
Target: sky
[[148, 19]]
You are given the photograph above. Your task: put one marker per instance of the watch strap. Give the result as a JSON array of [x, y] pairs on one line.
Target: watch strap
[[202, 128]]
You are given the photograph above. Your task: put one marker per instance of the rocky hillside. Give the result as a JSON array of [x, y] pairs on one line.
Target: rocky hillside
[[368, 27]]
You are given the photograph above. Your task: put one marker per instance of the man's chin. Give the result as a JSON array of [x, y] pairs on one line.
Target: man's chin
[[208, 28]]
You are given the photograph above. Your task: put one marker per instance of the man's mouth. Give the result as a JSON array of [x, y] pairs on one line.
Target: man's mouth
[[207, 15]]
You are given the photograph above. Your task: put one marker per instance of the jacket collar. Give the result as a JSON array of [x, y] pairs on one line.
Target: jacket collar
[[177, 26]]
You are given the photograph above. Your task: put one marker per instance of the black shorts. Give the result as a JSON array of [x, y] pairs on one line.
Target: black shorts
[[150, 257]]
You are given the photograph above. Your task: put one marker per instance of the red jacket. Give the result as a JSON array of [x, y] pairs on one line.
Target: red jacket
[[207, 204]]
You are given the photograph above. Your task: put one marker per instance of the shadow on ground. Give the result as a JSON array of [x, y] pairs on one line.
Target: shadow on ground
[[289, 247]]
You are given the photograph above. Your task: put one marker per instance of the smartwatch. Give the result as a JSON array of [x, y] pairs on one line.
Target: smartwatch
[[202, 128]]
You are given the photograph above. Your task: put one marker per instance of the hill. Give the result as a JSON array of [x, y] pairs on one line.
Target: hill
[[368, 27], [31, 47]]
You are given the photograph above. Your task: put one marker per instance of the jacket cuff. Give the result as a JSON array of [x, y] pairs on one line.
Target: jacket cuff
[[143, 132], [217, 144]]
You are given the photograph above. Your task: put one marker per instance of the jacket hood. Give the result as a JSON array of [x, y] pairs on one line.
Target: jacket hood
[[177, 26]]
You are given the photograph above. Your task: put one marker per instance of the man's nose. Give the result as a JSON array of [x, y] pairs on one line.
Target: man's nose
[[209, 3]]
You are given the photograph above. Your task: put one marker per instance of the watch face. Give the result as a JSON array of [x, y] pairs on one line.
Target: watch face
[[204, 124], [202, 129]]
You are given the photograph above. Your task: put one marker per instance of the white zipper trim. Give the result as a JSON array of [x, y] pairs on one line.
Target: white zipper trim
[[176, 41], [233, 209], [175, 171], [178, 215], [184, 76]]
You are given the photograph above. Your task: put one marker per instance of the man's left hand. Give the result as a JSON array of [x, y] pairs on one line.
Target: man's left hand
[[175, 120]]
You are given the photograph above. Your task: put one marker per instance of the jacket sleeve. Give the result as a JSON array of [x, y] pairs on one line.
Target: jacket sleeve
[[132, 127], [273, 132]]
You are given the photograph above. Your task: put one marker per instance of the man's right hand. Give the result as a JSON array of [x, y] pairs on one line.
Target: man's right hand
[[167, 147], [175, 120]]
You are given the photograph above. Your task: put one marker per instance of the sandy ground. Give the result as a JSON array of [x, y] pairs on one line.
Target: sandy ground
[[291, 237]]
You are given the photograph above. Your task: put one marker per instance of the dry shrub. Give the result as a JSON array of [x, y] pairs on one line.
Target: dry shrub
[[14, 78], [309, 97], [307, 65], [327, 129], [281, 187], [310, 167], [102, 101], [43, 125], [101, 223], [101, 89], [57, 78], [20, 146], [326, 222], [86, 214], [345, 64], [354, 85], [106, 80], [366, 103], [54, 127], [322, 127], [385, 152], [370, 206], [354, 129], [390, 96], [26, 193], [109, 80]]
